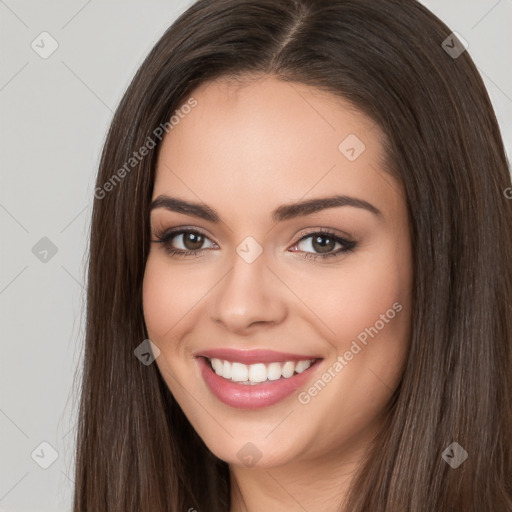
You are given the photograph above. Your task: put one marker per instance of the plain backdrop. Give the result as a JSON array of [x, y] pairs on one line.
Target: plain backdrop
[[55, 113]]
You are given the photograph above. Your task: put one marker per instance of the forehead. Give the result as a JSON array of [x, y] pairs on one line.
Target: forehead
[[262, 142]]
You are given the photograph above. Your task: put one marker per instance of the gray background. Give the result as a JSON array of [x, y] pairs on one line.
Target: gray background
[[55, 113]]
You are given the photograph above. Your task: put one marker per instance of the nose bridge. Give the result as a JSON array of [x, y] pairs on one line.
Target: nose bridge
[[248, 293]]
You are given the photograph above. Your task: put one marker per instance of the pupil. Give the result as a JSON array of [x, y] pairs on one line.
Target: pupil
[[323, 247], [193, 241]]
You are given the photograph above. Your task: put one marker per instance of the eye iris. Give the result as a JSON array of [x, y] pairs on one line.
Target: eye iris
[[323, 247], [195, 239]]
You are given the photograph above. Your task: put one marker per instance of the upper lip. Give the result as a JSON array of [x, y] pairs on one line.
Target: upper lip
[[253, 356]]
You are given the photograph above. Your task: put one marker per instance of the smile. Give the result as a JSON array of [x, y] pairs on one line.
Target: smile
[[257, 373], [254, 379]]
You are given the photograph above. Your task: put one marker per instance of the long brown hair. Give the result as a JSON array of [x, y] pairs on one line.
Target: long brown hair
[[136, 450]]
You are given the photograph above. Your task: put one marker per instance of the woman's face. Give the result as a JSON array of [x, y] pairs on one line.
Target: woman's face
[[317, 322]]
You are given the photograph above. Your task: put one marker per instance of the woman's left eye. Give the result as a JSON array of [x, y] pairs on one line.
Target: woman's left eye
[[324, 242]]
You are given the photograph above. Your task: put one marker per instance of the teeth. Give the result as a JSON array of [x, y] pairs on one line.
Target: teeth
[[217, 366], [301, 366], [239, 372], [259, 372], [288, 369], [226, 369], [274, 371]]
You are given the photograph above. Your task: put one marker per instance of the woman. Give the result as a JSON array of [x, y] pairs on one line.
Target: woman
[[302, 204]]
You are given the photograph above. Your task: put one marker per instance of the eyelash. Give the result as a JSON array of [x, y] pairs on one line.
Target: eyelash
[[165, 237]]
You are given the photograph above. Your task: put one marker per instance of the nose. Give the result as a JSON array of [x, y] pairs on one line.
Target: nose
[[250, 294]]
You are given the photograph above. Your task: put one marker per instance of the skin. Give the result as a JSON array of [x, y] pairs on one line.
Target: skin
[[248, 147]]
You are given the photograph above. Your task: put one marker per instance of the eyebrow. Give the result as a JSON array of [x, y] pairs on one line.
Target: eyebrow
[[282, 213]]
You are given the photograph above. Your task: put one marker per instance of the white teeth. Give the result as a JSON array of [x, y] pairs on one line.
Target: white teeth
[[226, 369], [301, 366], [239, 372], [217, 366], [274, 371], [259, 372], [288, 369]]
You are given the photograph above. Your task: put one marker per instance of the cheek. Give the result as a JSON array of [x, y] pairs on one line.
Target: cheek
[[356, 297], [370, 298], [166, 298], [156, 301], [368, 308]]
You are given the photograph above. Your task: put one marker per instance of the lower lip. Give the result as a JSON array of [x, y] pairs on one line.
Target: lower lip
[[247, 396]]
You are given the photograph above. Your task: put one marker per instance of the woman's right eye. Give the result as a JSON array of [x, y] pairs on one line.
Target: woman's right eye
[[190, 240]]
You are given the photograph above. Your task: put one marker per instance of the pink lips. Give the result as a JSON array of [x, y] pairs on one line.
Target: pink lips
[[256, 396]]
